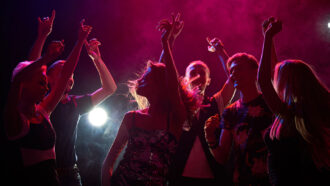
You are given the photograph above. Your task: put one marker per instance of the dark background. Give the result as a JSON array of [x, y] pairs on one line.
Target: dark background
[[127, 31]]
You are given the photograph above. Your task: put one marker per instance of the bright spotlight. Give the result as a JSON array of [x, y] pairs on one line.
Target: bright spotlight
[[328, 24], [97, 117]]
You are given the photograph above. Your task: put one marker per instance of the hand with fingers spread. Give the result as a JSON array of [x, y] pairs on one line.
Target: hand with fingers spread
[[54, 49], [177, 25], [92, 48], [45, 25], [84, 31], [171, 30]]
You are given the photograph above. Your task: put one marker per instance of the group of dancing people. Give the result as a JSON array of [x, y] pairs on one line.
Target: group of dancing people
[[275, 131]]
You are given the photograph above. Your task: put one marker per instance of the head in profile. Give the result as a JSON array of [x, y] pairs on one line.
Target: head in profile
[[34, 87], [243, 69], [150, 87]]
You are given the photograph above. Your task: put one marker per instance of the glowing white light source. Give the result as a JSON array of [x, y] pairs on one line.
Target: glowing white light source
[[328, 24], [97, 117]]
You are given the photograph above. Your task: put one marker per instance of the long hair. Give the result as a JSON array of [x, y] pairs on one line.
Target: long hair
[[189, 97], [300, 88], [158, 69]]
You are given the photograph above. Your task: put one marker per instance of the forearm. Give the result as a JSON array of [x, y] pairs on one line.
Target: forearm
[[169, 62], [107, 81], [223, 57], [72, 60], [227, 93], [37, 47], [274, 59], [264, 79], [264, 72]]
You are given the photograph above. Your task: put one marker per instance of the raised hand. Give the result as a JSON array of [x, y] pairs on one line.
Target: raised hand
[[92, 48], [212, 126], [55, 48], [272, 26], [177, 26], [45, 25], [215, 45], [84, 31], [266, 23]]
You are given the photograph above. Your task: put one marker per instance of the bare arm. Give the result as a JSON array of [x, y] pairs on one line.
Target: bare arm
[[264, 72], [116, 148], [177, 28], [274, 59], [172, 75], [45, 27], [54, 96], [219, 151], [227, 92], [108, 84], [215, 45]]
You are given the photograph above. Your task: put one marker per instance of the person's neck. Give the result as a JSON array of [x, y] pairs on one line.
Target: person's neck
[[249, 94]]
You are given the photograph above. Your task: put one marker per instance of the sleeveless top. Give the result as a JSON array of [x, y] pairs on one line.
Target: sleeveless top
[[148, 156], [38, 144]]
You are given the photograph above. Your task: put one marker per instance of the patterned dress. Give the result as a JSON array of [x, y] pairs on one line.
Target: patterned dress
[[146, 161]]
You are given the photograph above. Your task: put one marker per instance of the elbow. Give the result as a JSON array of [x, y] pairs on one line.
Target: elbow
[[110, 88]]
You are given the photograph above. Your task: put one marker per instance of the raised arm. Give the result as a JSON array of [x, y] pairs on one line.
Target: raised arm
[[227, 91], [116, 148], [274, 59], [216, 46], [177, 28], [264, 72], [55, 95], [176, 102], [108, 84], [45, 27]]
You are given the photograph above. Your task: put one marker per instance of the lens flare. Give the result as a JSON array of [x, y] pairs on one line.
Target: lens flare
[[97, 117]]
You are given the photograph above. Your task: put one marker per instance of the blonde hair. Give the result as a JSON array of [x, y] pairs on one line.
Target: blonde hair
[[197, 63], [159, 75]]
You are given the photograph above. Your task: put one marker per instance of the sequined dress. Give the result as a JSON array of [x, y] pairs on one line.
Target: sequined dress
[[147, 158]]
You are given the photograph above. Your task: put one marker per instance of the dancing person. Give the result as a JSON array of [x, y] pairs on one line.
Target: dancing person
[[27, 124], [193, 162], [298, 140], [67, 113], [243, 125], [151, 134]]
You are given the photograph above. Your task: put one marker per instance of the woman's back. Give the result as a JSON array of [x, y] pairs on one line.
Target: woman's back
[[148, 154]]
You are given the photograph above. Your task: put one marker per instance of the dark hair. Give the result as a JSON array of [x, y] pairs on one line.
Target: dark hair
[[243, 58], [299, 87], [190, 98]]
